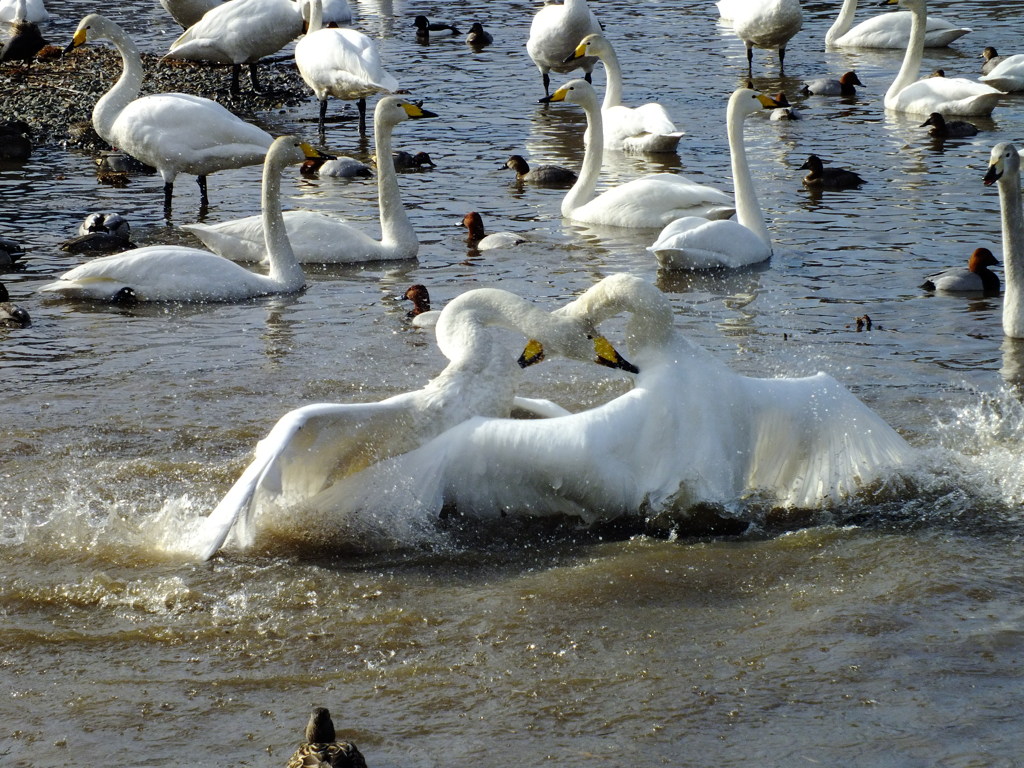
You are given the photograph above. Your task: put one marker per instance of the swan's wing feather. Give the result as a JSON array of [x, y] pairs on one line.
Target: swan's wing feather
[[696, 243], [308, 449]]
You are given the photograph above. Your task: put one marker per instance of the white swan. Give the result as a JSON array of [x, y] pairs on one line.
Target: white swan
[[648, 202], [1007, 75], [176, 273], [555, 31], [768, 24], [240, 32], [317, 238], [947, 95], [696, 243], [188, 12], [690, 432], [173, 132], [32, 10], [320, 445], [1004, 169], [646, 128], [887, 30], [334, 13], [342, 63]]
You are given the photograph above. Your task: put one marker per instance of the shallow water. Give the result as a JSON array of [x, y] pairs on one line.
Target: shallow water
[[884, 632]]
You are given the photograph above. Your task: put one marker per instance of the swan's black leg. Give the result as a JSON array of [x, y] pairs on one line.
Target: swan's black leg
[[362, 116]]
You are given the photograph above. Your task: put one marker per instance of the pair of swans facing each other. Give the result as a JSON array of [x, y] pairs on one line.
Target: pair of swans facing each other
[[691, 431]]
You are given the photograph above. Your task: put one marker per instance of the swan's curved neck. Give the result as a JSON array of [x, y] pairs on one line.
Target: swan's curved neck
[[650, 323], [613, 78], [284, 268], [394, 223], [582, 191], [748, 209], [316, 16], [912, 58], [125, 90], [1013, 255], [842, 23]]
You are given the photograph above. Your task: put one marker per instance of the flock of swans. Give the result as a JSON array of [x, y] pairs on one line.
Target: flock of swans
[[381, 470]]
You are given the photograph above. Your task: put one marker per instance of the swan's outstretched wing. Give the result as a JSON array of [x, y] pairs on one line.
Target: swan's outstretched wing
[[308, 450]]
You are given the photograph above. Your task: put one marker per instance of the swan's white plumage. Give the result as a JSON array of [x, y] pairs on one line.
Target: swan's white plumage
[[176, 273], [690, 432], [647, 128], [648, 202], [696, 243], [326, 445], [555, 31], [173, 132], [1004, 169], [188, 12], [768, 24], [343, 63], [317, 238], [887, 30], [946, 95], [239, 32], [1007, 75], [29, 10]]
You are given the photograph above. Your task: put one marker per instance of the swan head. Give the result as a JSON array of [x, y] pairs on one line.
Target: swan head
[[93, 27], [1004, 159], [591, 45], [577, 91], [287, 150], [394, 109], [747, 101]]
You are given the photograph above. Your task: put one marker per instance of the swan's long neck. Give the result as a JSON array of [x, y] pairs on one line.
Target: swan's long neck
[[912, 58], [125, 90], [842, 23], [394, 223], [316, 16], [284, 268], [613, 77], [582, 191], [650, 323], [748, 209], [1013, 255]]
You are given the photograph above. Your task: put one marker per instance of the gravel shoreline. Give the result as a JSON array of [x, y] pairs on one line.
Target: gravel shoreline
[[56, 95]]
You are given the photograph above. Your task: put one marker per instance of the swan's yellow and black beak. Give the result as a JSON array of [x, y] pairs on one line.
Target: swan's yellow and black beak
[[767, 101], [416, 111], [890, 2], [310, 151], [579, 53], [558, 95], [77, 40], [608, 356], [994, 173], [605, 354]]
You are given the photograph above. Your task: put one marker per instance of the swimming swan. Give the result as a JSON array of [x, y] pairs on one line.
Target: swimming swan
[[947, 95], [1007, 75], [646, 128], [648, 202], [317, 446], [1004, 169], [691, 431], [317, 238], [696, 243], [176, 273], [342, 63], [887, 30], [766, 24], [240, 32], [555, 32], [30, 10], [173, 132]]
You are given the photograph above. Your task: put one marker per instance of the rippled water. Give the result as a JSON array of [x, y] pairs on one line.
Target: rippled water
[[886, 633]]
